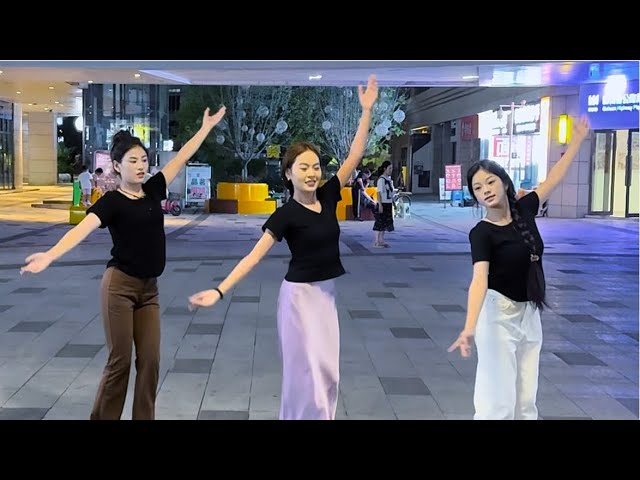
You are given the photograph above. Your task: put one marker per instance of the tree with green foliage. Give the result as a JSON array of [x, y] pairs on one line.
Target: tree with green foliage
[[255, 118], [328, 117]]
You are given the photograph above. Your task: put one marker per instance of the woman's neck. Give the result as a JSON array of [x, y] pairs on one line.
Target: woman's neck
[[306, 198], [499, 214], [131, 187]]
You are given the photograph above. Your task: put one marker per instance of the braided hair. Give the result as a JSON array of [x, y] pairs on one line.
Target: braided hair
[[536, 288]]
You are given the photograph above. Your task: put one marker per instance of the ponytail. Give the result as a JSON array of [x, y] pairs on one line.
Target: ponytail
[[536, 287]]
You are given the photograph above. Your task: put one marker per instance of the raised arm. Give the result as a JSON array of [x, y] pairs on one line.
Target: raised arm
[[559, 170], [207, 298], [187, 151], [359, 144], [39, 261], [475, 299]]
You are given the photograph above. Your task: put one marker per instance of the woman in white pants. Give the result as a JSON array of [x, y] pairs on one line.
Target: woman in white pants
[[507, 292]]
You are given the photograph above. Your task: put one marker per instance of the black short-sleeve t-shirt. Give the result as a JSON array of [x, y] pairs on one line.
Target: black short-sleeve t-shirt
[[136, 227], [504, 248], [313, 238]]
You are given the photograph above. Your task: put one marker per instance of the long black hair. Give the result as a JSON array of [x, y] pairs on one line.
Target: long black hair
[[536, 287]]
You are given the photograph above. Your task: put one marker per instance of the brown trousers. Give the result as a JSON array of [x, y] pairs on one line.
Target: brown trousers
[[131, 313]]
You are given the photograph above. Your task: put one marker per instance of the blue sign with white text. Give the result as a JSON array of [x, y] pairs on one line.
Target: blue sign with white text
[[609, 106]]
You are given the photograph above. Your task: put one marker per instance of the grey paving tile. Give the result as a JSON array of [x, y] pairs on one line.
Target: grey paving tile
[[245, 299], [79, 351], [177, 310], [396, 284], [568, 287], [422, 269], [563, 418], [35, 327], [380, 295], [408, 332], [185, 270], [223, 415], [23, 413], [364, 314], [29, 290], [608, 304], [448, 308], [191, 365], [580, 318], [404, 386], [631, 404], [579, 358], [204, 329]]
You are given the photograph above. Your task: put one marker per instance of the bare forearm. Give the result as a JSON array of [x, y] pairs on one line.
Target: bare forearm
[[72, 238], [477, 293], [191, 147], [559, 170], [240, 271], [359, 143]]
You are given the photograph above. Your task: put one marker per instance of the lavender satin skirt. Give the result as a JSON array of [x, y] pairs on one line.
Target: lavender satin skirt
[[309, 338]]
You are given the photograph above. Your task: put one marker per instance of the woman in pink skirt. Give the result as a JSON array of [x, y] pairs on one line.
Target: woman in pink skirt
[[307, 316]]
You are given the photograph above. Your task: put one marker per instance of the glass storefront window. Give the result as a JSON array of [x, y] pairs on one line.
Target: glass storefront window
[[527, 165], [109, 108], [6, 146]]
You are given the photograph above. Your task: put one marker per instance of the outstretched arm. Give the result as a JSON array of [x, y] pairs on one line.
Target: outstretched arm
[[559, 170], [187, 151], [359, 144], [475, 299], [207, 298], [39, 261]]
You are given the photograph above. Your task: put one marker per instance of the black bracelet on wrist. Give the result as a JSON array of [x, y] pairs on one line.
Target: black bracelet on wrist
[[219, 292]]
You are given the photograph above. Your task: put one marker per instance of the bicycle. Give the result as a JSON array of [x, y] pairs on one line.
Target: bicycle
[[401, 201]]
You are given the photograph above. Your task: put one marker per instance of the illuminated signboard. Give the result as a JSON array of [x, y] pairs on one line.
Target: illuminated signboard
[[610, 109]]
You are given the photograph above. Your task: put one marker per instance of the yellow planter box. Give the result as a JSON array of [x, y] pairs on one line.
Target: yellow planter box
[[242, 191], [257, 207], [77, 214], [346, 202]]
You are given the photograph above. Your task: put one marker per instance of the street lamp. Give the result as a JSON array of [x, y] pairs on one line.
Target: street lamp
[[512, 106]]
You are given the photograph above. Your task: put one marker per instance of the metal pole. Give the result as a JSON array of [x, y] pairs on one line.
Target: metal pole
[[511, 122]]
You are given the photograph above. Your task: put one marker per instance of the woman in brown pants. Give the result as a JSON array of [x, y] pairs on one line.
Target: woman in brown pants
[[129, 290]]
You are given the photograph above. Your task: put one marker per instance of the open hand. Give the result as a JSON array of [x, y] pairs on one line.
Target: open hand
[[581, 129], [463, 342], [210, 121], [206, 298], [368, 97], [36, 263]]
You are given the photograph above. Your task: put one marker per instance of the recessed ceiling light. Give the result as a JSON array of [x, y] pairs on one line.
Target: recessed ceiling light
[[1, 72], [90, 81], [29, 103], [57, 102], [470, 77], [137, 75], [315, 77], [18, 93], [50, 87]]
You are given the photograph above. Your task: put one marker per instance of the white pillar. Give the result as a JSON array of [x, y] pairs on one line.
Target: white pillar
[[18, 157]]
